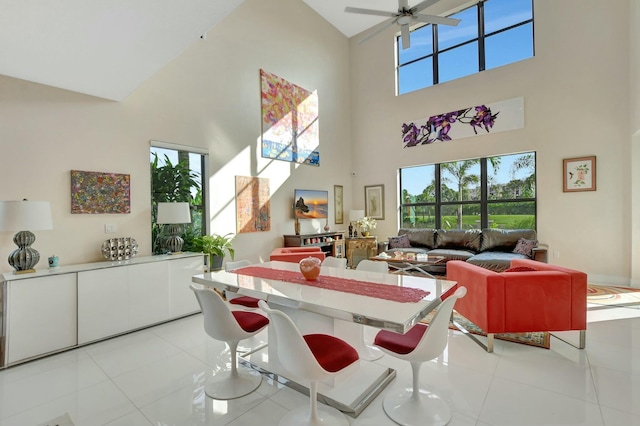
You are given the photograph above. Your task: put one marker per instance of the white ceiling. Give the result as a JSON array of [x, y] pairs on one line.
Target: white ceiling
[[107, 48]]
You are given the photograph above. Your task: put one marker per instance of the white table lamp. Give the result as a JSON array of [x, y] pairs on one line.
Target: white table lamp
[[173, 215], [20, 216]]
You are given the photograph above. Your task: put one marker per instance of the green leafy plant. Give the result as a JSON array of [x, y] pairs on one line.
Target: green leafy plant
[[217, 245]]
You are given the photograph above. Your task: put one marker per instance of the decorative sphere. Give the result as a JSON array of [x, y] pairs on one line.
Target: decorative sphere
[[310, 267]]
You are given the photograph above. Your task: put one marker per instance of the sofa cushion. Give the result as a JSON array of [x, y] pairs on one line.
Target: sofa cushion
[[504, 239], [401, 241], [524, 246], [420, 237], [458, 239], [495, 260]]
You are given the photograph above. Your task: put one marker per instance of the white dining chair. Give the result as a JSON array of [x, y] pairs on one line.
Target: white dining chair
[[230, 327], [367, 351], [312, 357], [415, 406], [373, 266], [335, 262], [246, 301]]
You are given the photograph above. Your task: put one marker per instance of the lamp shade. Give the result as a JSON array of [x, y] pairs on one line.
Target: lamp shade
[[355, 215], [172, 213], [25, 215]]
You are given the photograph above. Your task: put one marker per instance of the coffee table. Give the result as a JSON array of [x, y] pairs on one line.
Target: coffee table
[[410, 266]]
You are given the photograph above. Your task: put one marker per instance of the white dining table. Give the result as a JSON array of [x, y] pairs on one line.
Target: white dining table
[[321, 310]]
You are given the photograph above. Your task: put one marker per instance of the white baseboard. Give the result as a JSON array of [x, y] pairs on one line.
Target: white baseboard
[[612, 280]]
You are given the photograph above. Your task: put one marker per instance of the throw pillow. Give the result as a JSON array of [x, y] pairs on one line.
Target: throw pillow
[[520, 269], [401, 241], [525, 247]]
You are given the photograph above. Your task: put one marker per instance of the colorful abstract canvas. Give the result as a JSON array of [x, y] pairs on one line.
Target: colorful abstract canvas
[[252, 204], [289, 121], [96, 193], [466, 122]]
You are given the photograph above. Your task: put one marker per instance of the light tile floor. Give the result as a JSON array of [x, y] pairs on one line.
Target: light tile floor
[[156, 376]]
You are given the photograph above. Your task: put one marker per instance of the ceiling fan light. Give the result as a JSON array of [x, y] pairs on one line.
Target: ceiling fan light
[[404, 20]]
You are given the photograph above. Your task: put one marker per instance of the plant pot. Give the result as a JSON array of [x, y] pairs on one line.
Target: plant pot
[[365, 233], [215, 262]]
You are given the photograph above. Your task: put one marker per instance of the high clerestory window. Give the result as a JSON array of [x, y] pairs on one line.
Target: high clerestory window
[[491, 34], [492, 192]]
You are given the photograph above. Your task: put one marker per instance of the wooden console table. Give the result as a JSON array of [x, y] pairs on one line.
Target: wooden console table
[[360, 248]]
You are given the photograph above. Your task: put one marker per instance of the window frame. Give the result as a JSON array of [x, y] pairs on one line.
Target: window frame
[[484, 202], [204, 173], [436, 52]]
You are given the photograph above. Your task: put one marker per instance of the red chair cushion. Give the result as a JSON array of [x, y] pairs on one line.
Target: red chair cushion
[[332, 354], [248, 301], [400, 343], [250, 321]]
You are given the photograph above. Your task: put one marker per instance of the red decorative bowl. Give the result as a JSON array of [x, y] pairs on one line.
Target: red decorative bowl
[[310, 267]]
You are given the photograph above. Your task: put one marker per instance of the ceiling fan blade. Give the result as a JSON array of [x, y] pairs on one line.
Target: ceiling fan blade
[[404, 34], [432, 19], [376, 29], [369, 11], [422, 6]]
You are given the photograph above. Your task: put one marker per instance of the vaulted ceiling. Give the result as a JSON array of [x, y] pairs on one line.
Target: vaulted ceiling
[[107, 48]]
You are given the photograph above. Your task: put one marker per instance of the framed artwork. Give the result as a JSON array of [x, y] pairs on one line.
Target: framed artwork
[[579, 174], [337, 204], [99, 193], [374, 201], [465, 122], [253, 209], [289, 121]]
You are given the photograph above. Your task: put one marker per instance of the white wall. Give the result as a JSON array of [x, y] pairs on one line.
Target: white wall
[[208, 97], [576, 92], [634, 130]]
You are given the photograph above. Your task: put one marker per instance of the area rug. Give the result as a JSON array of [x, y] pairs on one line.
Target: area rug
[[628, 297], [63, 420], [540, 339]]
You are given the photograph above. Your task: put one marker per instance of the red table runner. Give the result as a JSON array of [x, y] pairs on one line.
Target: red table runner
[[363, 288]]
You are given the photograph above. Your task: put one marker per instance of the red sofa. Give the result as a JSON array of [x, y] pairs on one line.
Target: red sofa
[[296, 254], [549, 298]]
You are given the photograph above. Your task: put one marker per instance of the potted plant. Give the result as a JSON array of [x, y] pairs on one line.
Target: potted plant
[[216, 246]]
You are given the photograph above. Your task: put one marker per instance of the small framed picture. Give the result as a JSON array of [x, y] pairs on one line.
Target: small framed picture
[[337, 204], [579, 174], [374, 201]]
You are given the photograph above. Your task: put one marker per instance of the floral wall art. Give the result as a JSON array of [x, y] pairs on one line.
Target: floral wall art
[[289, 121], [466, 122], [579, 174]]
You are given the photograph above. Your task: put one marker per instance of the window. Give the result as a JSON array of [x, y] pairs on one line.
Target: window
[[490, 34], [493, 192], [177, 176]]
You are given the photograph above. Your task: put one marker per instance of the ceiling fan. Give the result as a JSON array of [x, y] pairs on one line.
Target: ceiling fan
[[404, 17]]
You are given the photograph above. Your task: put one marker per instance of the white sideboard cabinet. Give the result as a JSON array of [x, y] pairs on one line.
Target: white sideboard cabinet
[[41, 316], [61, 308]]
